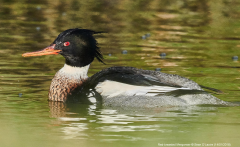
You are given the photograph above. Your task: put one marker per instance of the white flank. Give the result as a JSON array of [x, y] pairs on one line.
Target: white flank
[[111, 89], [74, 72]]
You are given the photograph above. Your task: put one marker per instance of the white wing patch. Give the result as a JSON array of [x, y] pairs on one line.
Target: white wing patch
[[111, 89]]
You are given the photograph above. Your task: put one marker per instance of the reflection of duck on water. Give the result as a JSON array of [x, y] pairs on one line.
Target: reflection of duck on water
[[115, 86], [85, 121]]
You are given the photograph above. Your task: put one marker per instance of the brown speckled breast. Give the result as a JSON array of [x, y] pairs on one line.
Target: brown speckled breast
[[62, 86]]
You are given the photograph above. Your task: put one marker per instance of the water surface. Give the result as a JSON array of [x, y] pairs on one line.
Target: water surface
[[199, 38]]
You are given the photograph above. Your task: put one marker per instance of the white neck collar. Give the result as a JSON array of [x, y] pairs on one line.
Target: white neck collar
[[74, 72]]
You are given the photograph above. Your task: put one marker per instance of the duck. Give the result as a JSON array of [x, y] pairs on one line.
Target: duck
[[118, 85]]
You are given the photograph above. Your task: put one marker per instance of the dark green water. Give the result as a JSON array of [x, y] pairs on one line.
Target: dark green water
[[199, 37]]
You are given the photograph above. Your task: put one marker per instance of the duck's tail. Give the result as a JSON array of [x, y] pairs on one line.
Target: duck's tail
[[212, 89]]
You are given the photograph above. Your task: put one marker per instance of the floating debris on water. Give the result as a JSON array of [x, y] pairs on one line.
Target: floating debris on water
[[124, 52], [38, 28], [144, 37], [163, 55], [148, 35], [20, 95], [235, 58], [38, 7]]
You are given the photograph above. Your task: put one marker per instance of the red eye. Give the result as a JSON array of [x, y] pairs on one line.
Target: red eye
[[66, 43]]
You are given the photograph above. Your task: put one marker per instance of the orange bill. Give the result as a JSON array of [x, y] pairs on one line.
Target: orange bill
[[46, 51]]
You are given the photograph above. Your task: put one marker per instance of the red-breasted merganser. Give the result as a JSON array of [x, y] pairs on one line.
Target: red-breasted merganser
[[115, 86]]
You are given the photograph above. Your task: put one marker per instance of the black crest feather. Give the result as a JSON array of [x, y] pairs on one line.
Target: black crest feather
[[84, 33]]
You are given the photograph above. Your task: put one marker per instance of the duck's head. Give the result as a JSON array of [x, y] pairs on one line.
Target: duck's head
[[77, 46]]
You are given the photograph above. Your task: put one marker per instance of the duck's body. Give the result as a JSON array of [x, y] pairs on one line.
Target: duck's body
[[115, 86], [129, 87]]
